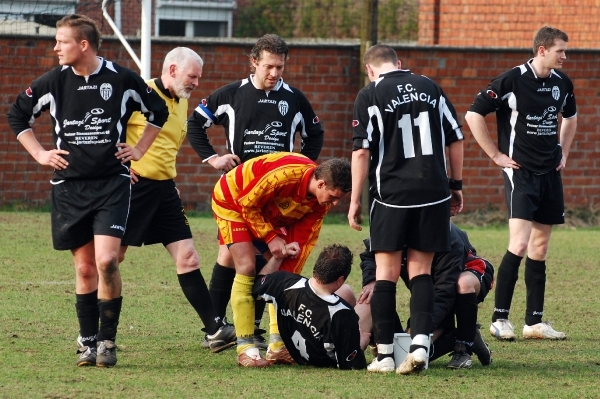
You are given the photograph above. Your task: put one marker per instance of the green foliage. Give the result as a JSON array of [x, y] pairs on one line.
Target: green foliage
[[338, 19], [159, 333], [259, 17], [398, 20]]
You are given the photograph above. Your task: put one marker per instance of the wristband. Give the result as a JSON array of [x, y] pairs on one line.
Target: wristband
[[455, 184]]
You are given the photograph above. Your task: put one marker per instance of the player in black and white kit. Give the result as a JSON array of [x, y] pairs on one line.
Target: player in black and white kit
[[318, 327], [90, 101], [261, 114], [403, 122], [461, 280], [527, 101]]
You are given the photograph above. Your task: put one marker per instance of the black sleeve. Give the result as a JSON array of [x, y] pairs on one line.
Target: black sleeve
[[569, 108], [152, 105], [361, 121], [490, 99], [450, 123], [196, 134], [270, 286], [367, 263], [347, 341], [30, 104], [312, 136]]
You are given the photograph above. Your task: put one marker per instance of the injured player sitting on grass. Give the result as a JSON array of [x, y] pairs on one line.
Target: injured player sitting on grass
[[316, 317]]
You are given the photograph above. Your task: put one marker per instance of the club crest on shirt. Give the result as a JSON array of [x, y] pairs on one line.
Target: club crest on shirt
[[555, 93], [106, 91], [283, 107]]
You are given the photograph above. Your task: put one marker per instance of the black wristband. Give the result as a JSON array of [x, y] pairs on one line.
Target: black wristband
[[455, 184]]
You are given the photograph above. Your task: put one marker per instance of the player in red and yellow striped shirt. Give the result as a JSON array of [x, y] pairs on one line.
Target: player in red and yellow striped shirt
[[275, 199]]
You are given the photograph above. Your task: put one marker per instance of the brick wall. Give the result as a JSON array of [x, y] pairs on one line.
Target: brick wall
[[501, 23], [328, 75]]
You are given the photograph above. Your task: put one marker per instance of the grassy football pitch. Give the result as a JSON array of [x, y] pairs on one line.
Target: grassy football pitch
[[159, 333]]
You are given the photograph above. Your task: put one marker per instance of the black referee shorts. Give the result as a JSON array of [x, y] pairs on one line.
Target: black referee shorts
[[82, 209], [534, 197], [425, 229], [156, 214]]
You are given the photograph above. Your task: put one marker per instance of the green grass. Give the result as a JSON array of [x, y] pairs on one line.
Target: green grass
[[159, 334]]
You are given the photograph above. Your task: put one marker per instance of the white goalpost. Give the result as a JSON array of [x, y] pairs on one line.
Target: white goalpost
[[146, 36]]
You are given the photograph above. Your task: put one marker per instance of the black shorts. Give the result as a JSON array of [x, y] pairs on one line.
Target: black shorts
[[82, 209], [156, 215], [425, 229], [534, 197]]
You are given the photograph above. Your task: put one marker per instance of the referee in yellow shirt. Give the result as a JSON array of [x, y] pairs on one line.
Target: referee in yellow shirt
[[156, 214]]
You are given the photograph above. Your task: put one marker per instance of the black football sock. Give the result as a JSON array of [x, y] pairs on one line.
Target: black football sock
[[466, 318], [260, 263], [195, 290], [259, 310], [383, 307], [442, 346], [110, 310], [421, 307], [535, 283], [397, 324], [259, 306], [88, 315], [508, 273], [220, 288]]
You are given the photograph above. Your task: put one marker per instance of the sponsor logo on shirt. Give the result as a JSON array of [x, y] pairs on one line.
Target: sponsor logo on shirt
[[106, 91], [97, 111], [29, 92], [148, 89], [316, 120], [203, 102], [283, 107], [354, 123], [87, 87], [267, 101], [492, 94]]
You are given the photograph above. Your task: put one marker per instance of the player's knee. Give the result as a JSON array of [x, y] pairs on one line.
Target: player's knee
[[107, 263], [538, 251], [224, 257], [518, 247], [86, 270], [467, 283], [188, 261]]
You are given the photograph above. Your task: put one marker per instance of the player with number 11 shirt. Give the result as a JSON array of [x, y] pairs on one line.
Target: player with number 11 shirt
[[404, 123]]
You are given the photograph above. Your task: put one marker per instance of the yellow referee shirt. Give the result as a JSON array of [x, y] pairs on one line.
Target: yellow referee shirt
[[159, 161]]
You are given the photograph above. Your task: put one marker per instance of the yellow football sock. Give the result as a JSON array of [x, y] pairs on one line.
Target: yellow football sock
[[242, 304], [275, 342], [273, 327]]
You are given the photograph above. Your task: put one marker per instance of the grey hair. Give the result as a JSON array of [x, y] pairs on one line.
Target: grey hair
[[182, 57]]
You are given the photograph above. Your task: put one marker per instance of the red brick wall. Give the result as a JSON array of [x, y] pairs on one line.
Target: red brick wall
[[501, 23], [329, 76]]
